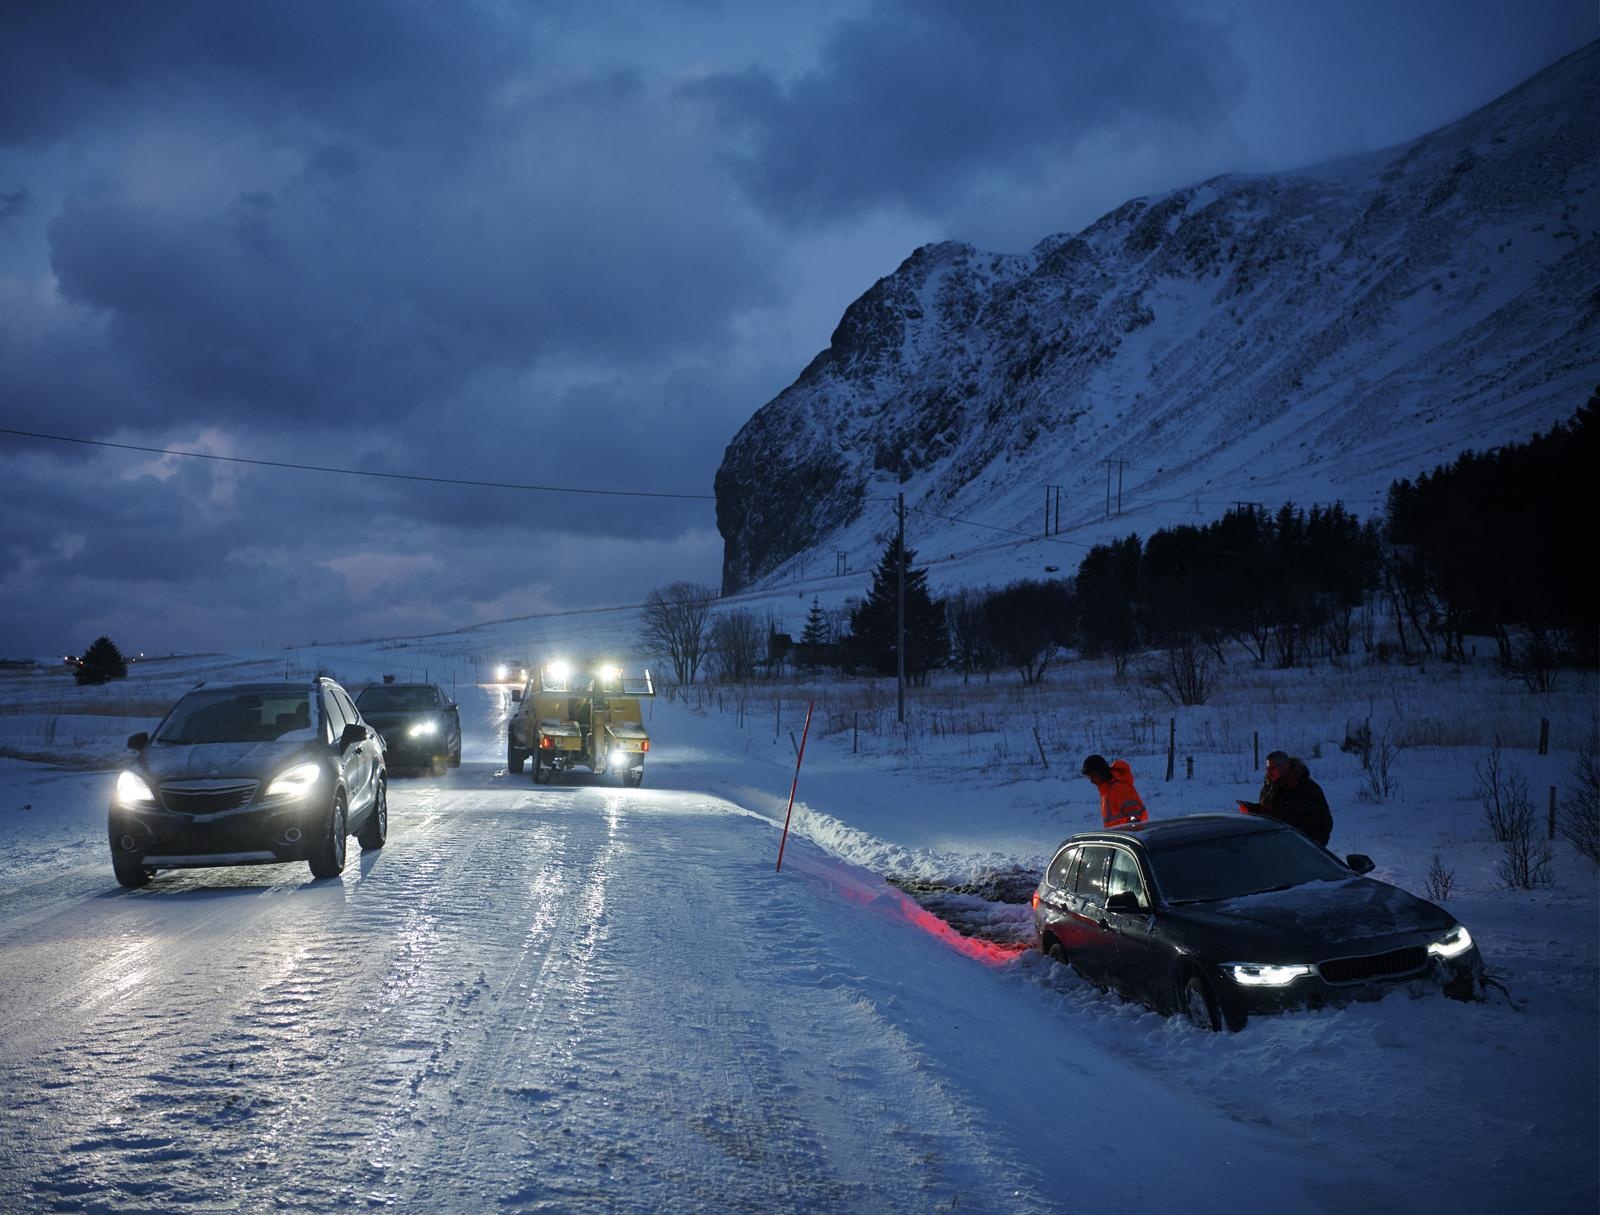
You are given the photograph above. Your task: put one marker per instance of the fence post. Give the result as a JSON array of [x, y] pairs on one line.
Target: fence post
[[799, 757], [1040, 745], [1544, 736], [855, 731], [1188, 764], [1255, 751], [1172, 743], [1552, 832]]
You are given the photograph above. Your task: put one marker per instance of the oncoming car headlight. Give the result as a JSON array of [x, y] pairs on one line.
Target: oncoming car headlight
[[1256, 974], [132, 791], [1453, 944], [295, 781], [423, 728]]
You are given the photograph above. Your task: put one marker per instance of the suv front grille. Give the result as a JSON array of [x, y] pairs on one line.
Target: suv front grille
[[207, 796], [1389, 965]]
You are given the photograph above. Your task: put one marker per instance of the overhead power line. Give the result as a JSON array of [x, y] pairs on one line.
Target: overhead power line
[[1010, 531], [358, 472]]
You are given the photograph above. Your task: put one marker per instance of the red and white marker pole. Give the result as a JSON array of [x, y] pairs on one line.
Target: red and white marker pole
[[798, 759]]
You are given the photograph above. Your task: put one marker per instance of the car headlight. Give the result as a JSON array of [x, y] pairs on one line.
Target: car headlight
[[295, 781], [1256, 974], [1453, 944], [422, 729], [502, 673], [133, 792]]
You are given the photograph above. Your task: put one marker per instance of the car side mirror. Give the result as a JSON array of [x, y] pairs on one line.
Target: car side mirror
[[1124, 900], [516, 696], [1360, 862], [353, 733], [139, 741]]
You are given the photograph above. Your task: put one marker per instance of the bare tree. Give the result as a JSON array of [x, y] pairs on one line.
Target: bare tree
[[738, 639], [1185, 672], [674, 626], [1441, 880], [1580, 809]]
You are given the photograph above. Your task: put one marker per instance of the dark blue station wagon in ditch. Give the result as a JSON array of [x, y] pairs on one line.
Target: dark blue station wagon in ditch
[[1217, 916], [250, 774]]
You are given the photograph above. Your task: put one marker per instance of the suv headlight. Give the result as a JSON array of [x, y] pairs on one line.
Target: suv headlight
[[132, 791], [1257, 974], [295, 781], [1453, 944], [422, 729]]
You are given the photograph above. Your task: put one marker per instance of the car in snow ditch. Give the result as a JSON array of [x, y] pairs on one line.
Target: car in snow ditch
[[420, 724], [1216, 917], [250, 774]]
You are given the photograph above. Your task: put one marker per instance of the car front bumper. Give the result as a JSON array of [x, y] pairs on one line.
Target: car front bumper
[[263, 834], [1460, 977]]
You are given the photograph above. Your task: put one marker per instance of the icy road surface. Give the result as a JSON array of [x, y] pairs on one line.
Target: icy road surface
[[551, 999]]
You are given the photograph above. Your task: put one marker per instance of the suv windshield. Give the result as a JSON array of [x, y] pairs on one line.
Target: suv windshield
[[229, 715], [395, 700], [1236, 865]]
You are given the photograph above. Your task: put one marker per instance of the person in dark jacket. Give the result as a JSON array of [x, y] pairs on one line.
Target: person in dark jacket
[[1289, 795], [1120, 804]]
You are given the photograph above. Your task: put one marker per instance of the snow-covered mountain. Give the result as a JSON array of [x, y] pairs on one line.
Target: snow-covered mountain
[[1302, 337]]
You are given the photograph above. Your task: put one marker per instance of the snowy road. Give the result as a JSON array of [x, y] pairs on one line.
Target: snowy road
[[491, 1011]]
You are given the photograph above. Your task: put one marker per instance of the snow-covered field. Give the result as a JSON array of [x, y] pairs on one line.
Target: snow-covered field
[[590, 998]]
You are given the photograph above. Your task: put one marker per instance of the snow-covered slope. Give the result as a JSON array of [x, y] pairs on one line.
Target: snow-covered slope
[[1302, 337]]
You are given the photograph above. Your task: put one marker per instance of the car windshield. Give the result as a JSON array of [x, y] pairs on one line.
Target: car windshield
[[395, 700], [228, 715], [1234, 865]]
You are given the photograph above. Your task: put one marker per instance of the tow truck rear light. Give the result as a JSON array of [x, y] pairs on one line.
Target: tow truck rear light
[[645, 745], [546, 742]]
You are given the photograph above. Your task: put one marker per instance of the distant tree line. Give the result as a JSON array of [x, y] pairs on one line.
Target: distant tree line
[[1480, 547]]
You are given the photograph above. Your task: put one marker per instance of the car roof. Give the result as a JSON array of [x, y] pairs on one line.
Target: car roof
[[432, 687], [276, 685], [1157, 835]]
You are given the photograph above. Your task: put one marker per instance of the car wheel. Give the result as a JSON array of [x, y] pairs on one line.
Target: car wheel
[[327, 859], [634, 777], [1056, 953], [129, 871], [514, 759], [376, 829], [455, 754], [1197, 1004]]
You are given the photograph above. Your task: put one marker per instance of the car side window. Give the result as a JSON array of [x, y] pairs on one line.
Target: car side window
[[335, 714], [345, 703], [1060, 874], [1091, 884], [1125, 876]]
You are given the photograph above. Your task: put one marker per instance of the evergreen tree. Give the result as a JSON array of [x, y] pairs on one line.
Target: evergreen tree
[[100, 663], [873, 624], [815, 635]]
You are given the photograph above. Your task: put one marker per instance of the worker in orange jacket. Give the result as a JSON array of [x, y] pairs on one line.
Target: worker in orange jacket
[[1120, 805]]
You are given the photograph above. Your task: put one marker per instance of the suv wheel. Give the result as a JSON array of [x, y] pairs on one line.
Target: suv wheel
[[327, 858], [129, 871], [376, 829]]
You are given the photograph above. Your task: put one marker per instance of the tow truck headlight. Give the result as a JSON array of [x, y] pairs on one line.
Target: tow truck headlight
[[133, 792], [1453, 944], [422, 729], [559, 672], [1258, 974], [295, 782], [619, 758]]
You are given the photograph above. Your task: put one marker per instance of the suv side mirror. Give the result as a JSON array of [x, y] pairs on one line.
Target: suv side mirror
[[353, 733], [139, 741], [1124, 900], [516, 696], [1360, 862]]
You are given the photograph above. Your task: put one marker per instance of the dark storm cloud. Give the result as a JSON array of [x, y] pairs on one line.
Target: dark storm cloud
[[379, 65], [15, 202], [917, 100]]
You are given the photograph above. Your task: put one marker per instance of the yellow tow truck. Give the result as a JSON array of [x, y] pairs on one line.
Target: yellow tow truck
[[569, 718]]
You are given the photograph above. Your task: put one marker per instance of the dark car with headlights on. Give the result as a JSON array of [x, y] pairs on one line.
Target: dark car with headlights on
[[421, 726], [251, 774], [1217, 916]]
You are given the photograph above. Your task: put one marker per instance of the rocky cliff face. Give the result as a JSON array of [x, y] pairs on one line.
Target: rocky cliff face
[[1304, 337]]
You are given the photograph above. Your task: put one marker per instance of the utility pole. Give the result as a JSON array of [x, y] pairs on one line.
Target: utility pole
[[1120, 463], [841, 562], [1049, 492], [900, 615], [1108, 489]]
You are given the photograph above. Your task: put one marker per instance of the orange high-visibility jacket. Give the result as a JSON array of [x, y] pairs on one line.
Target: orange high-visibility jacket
[[1119, 800]]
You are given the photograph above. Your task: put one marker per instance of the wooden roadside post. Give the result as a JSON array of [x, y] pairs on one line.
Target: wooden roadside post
[[799, 757]]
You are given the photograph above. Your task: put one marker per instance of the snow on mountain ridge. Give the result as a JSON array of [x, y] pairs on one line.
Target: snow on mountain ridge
[[1305, 336]]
